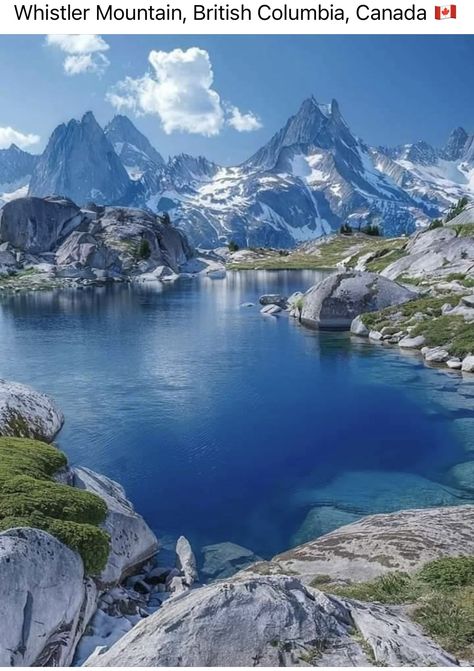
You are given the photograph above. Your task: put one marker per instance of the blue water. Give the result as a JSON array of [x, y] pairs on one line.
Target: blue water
[[225, 425]]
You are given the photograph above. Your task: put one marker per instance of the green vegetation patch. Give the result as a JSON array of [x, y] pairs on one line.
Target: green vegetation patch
[[30, 497], [441, 595], [429, 306], [327, 253], [446, 330]]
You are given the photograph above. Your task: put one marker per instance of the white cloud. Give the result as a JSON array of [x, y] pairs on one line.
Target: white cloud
[[9, 135], [179, 90], [76, 64], [84, 52], [243, 122]]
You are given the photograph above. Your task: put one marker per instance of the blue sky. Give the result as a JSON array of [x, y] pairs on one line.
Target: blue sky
[[391, 89]]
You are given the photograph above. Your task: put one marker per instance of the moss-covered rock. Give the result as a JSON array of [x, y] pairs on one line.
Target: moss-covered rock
[[29, 497]]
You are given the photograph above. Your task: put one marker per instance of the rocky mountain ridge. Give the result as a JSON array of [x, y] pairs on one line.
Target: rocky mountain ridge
[[311, 177]]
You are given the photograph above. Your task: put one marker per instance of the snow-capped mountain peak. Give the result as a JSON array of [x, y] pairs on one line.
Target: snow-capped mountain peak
[[313, 175]]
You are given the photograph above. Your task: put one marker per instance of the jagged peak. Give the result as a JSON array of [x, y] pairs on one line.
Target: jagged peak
[[89, 117]]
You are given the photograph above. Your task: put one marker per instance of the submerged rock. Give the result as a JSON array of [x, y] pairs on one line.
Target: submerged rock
[[340, 298], [274, 299], [270, 621], [270, 310], [463, 475], [320, 521], [222, 560], [26, 413]]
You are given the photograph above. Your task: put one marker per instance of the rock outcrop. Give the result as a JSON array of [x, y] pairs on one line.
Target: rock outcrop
[[337, 300], [437, 254], [27, 413], [378, 544], [131, 540], [49, 241], [36, 225], [270, 621], [43, 598], [186, 561]]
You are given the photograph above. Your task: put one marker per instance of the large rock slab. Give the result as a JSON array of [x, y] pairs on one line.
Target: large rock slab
[[36, 225], [132, 541], [26, 413], [269, 621], [84, 249], [436, 253], [378, 544], [338, 299], [42, 593], [123, 229]]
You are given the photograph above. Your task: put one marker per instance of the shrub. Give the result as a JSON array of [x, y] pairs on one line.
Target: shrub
[[371, 229], [454, 210], [29, 497], [144, 249], [448, 572], [233, 246], [345, 229], [436, 223], [396, 587]]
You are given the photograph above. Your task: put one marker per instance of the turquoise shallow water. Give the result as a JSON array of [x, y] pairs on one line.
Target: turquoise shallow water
[[228, 426]]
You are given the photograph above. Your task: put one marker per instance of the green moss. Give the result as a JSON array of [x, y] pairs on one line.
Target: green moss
[[30, 497]]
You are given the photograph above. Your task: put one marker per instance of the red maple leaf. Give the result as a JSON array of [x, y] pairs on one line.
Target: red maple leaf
[[445, 11]]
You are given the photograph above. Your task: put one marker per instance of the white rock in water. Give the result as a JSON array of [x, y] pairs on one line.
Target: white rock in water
[[270, 310], [358, 327], [454, 363], [375, 335], [269, 621], [186, 561], [436, 355], [412, 343], [27, 413], [468, 364], [338, 299], [41, 595], [132, 541]]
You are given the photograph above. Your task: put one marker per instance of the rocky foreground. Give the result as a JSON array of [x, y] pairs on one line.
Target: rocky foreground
[[60, 596]]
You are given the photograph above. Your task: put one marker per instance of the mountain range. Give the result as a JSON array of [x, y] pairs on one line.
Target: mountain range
[[312, 176]]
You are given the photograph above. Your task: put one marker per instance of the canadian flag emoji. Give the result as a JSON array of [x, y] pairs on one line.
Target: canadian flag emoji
[[445, 12]]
